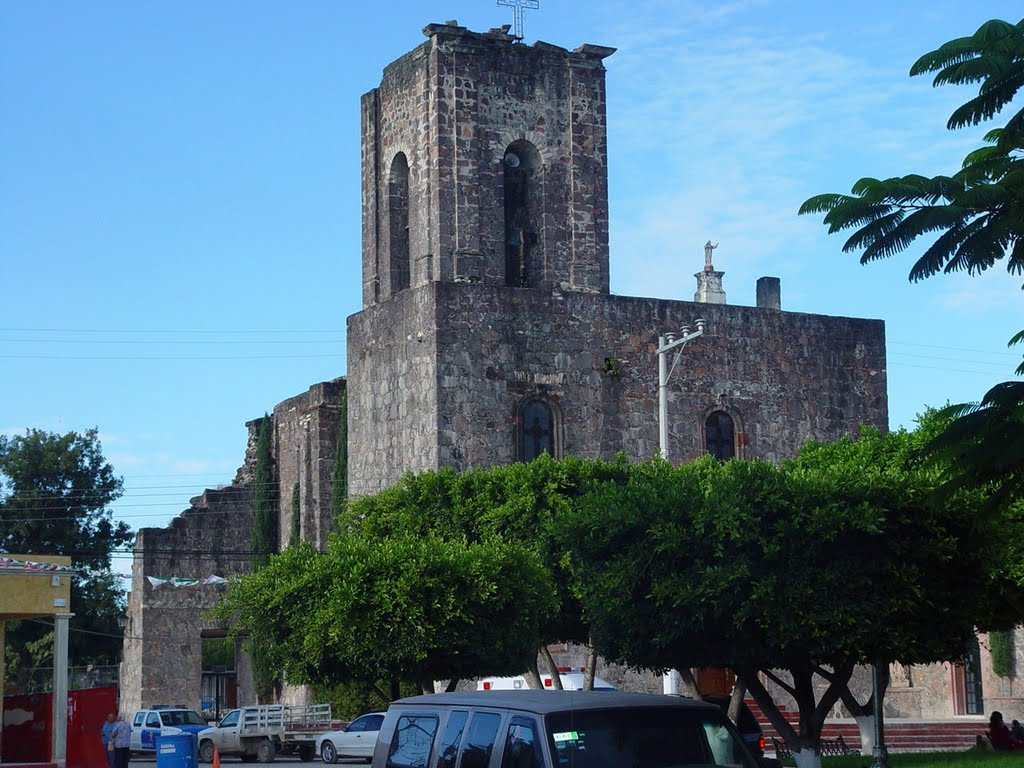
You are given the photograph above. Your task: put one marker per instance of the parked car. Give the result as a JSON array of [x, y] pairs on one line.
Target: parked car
[[746, 723], [558, 729], [356, 739], [260, 732], [147, 724]]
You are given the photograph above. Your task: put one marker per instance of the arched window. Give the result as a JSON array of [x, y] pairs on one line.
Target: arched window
[[523, 207], [720, 435], [536, 430], [398, 222]]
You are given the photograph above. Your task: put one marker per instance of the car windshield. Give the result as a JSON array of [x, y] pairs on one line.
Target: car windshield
[[181, 717], [644, 737]]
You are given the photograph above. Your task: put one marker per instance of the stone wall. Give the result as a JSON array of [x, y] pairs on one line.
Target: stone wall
[[784, 377], [393, 408], [166, 624], [452, 107], [304, 442]]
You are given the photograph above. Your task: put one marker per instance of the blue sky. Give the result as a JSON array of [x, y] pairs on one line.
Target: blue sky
[[180, 211]]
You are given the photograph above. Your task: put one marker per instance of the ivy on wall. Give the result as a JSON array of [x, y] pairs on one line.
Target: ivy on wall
[[339, 493], [264, 526], [1000, 645], [264, 544]]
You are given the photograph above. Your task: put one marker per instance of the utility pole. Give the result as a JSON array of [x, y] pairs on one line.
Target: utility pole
[[668, 343]]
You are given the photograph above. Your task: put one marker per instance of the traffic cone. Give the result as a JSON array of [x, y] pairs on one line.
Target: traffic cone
[[216, 758]]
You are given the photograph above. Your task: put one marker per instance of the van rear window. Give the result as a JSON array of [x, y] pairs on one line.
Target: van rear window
[[644, 737], [410, 746]]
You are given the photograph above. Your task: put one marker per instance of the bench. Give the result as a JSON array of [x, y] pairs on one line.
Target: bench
[[829, 748]]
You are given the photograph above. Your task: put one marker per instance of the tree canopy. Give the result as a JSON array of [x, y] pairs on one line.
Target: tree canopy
[[54, 496], [974, 219], [402, 608], [834, 559], [977, 213]]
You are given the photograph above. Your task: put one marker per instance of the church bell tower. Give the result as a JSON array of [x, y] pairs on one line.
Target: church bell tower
[[484, 160]]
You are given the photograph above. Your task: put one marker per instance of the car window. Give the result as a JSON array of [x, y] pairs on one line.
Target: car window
[[522, 745], [374, 722], [410, 746], [725, 749], [356, 726], [483, 728], [152, 720], [452, 739], [188, 717], [644, 737], [231, 718], [138, 719]]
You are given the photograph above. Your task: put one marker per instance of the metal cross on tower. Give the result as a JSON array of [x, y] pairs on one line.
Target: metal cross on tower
[[518, 6]]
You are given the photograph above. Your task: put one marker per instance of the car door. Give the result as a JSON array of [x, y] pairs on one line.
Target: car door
[[360, 737], [137, 725], [150, 730], [226, 735]]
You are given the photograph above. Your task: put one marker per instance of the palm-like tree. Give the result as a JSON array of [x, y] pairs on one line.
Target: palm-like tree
[[976, 217]]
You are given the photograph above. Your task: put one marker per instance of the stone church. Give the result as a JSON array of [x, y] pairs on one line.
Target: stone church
[[488, 334]]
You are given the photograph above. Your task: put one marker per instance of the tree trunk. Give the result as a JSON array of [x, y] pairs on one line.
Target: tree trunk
[[426, 685], [691, 683], [590, 670], [805, 745], [864, 714], [452, 685], [556, 679], [739, 690], [533, 675]]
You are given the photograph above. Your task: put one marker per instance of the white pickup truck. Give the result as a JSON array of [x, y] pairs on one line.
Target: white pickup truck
[[259, 733]]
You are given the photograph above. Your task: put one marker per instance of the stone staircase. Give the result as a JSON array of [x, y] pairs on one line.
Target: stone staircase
[[901, 735]]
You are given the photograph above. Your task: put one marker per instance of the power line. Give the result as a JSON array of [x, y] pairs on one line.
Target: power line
[[169, 330], [171, 341], [141, 358]]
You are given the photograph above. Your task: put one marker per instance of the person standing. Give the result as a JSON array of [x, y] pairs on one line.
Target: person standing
[[121, 741], [105, 733]]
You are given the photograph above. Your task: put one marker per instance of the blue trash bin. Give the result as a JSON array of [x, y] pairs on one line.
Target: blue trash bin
[[180, 750]]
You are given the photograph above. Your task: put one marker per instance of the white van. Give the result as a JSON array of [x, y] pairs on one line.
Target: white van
[[572, 680]]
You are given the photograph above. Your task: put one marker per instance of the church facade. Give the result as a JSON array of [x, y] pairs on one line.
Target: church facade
[[488, 331], [488, 334]]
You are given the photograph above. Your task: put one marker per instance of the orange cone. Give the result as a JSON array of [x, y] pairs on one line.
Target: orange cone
[[216, 758]]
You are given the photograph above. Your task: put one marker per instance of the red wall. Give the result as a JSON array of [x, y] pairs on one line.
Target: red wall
[[26, 731]]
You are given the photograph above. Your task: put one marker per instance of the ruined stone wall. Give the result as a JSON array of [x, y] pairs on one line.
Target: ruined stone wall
[[784, 377], [304, 443], [453, 106], [163, 653]]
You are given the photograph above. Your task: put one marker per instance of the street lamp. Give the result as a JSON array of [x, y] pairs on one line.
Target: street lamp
[[668, 343]]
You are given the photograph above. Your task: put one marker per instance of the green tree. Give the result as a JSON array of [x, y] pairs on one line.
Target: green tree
[[976, 219], [380, 612], [518, 502], [763, 568], [977, 214], [54, 496]]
